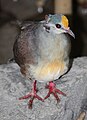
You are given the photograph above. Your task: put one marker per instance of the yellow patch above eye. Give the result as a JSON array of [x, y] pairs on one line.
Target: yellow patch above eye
[[65, 21]]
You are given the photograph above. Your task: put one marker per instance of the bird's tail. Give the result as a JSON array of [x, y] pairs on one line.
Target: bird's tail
[[12, 60]]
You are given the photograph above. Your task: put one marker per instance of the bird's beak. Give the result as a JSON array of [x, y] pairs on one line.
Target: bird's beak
[[69, 32]]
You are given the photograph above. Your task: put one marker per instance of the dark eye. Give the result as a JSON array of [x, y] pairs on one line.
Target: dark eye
[[58, 25]]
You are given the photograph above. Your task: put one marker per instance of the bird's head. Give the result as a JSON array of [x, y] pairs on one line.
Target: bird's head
[[57, 24]]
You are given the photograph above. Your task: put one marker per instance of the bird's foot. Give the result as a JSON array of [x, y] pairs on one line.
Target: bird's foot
[[32, 95], [53, 90]]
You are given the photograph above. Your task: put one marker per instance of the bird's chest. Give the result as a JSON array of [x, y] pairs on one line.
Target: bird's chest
[[53, 47], [51, 54], [48, 71]]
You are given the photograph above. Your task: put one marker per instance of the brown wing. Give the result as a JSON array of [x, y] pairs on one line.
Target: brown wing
[[25, 49]]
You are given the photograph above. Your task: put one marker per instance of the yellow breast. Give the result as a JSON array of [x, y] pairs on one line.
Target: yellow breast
[[49, 71]]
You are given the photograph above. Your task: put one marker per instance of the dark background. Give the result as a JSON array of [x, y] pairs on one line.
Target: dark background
[[12, 10]]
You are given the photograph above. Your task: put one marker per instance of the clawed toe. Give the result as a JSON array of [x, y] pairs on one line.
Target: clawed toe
[[32, 95], [53, 90]]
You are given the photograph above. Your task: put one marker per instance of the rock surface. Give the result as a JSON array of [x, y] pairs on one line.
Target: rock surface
[[13, 85]]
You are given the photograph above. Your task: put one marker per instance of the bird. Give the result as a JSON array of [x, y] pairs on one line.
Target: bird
[[42, 51]]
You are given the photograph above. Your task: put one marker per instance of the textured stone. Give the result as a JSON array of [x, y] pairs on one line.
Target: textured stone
[[13, 85]]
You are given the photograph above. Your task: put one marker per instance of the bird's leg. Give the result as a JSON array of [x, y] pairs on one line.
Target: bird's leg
[[53, 90], [32, 95]]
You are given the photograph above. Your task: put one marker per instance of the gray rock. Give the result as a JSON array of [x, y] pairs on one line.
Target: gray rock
[[13, 85]]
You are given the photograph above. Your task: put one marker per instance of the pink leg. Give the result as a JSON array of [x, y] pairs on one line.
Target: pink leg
[[32, 95], [53, 90]]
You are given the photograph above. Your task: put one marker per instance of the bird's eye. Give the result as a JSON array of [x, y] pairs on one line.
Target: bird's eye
[[58, 25]]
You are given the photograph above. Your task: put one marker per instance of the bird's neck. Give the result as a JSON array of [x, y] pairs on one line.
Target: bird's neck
[[53, 46]]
